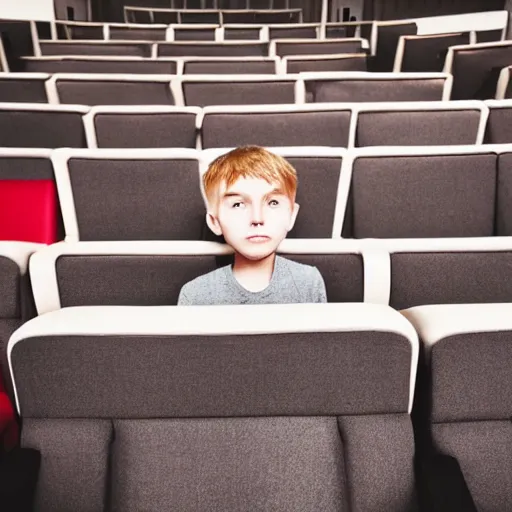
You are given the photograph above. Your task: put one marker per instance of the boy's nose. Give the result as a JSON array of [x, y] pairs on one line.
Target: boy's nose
[[257, 216]]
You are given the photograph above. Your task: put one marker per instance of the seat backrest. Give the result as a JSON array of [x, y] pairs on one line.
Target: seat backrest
[[212, 49], [345, 428], [385, 37], [200, 16], [468, 349], [499, 123], [241, 32], [106, 89], [279, 125], [230, 66], [284, 47], [294, 31], [504, 193], [311, 63], [142, 127], [488, 36], [504, 87], [77, 30], [417, 124], [23, 87], [192, 33], [266, 16], [135, 49], [137, 32], [138, 194]]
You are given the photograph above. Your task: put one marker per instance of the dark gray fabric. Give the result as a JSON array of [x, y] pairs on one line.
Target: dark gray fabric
[[297, 374], [137, 34], [428, 53], [316, 48], [165, 18], [88, 48], [484, 451], [37, 129], [200, 17], [421, 89], [488, 36], [230, 67], [260, 17], [417, 128], [297, 32], [145, 130], [276, 129], [443, 278], [80, 32], [204, 34], [499, 126], [241, 33], [475, 71], [202, 94], [504, 196], [74, 462], [7, 327], [338, 32], [228, 465], [137, 199], [471, 377], [113, 92], [128, 280], [424, 196], [10, 286], [356, 63], [22, 168], [379, 454], [508, 90], [23, 91], [256, 49], [387, 41]]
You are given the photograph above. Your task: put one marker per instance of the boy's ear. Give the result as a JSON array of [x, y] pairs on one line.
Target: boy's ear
[[295, 211], [213, 223]]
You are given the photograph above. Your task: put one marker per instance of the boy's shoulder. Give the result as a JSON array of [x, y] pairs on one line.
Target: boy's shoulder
[[200, 283], [299, 269]]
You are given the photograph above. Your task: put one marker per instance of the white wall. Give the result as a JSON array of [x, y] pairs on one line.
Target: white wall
[[41, 10], [462, 22]]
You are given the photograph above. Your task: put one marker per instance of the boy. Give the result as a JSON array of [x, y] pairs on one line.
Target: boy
[[250, 195]]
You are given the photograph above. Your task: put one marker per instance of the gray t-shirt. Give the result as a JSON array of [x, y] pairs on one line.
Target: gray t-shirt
[[291, 283]]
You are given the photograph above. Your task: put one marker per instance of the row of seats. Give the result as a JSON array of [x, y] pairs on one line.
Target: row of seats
[[324, 124], [155, 194]]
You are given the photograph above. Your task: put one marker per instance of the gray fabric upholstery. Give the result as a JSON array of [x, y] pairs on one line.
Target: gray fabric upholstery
[[80, 32], [260, 17], [488, 36], [387, 41], [499, 126], [114, 92], [443, 278], [504, 196], [355, 63], [31, 90], [417, 128], [276, 129], [230, 67], [179, 49], [145, 130], [39, 129], [89, 48], [476, 71], [7, 327], [371, 444], [21, 168], [137, 34], [9, 284], [137, 199], [297, 32], [360, 90], [314, 48], [238, 93], [508, 90], [339, 32], [200, 17], [424, 196], [428, 53], [242, 464], [74, 462], [231, 33], [207, 34]]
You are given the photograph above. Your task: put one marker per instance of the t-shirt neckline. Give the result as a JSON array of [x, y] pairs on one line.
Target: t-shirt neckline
[[234, 282]]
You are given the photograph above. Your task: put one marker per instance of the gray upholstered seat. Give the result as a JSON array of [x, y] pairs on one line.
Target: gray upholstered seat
[[230, 66], [286, 47], [213, 49], [77, 30], [387, 35], [23, 87], [499, 123], [310, 63], [504, 195], [137, 32], [135, 49], [294, 31]]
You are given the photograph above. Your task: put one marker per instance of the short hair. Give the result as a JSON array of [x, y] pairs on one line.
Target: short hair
[[250, 162]]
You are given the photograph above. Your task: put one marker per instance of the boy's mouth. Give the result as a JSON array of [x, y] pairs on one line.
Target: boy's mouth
[[258, 238]]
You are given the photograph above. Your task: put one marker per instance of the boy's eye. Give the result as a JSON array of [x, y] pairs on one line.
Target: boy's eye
[[273, 202], [237, 205]]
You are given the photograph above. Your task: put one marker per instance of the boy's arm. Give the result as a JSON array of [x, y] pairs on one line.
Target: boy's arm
[[319, 292], [183, 299]]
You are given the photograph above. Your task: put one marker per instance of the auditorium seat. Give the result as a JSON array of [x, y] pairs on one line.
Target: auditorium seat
[[28, 198], [476, 68], [349, 29], [276, 125], [23, 87], [318, 172], [285, 47], [263, 16], [465, 398], [80, 30], [418, 53], [367, 87], [142, 127], [230, 65], [294, 31], [198, 16], [192, 32], [138, 194], [243, 32], [125, 32], [504, 87], [499, 124], [4, 64], [504, 192], [419, 124], [213, 49], [107, 89], [25, 125], [384, 41], [105, 397], [313, 63], [487, 36], [205, 90], [145, 15], [91, 48]]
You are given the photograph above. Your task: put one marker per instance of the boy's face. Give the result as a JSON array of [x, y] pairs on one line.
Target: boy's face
[[254, 216]]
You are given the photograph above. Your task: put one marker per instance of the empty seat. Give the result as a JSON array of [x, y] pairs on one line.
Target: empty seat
[[349, 29], [420, 192], [80, 30], [28, 197], [243, 32], [135, 49], [192, 33], [504, 193], [198, 16], [24, 125], [499, 123], [504, 88], [285, 47], [137, 32], [487, 36], [145, 15], [105, 89], [367, 87], [230, 65], [210, 49], [263, 16], [476, 69], [466, 399], [318, 172], [294, 31], [416, 53], [417, 124], [280, 125], [313, 63], [385, 37], [137, 194], [204, 90], [313, 401], [23, 87], [142, 127]]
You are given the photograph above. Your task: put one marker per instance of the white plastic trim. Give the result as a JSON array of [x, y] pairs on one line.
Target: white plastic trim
[[377, 276], [44, 107], [506, 103], [19, 252], [503, 82]]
